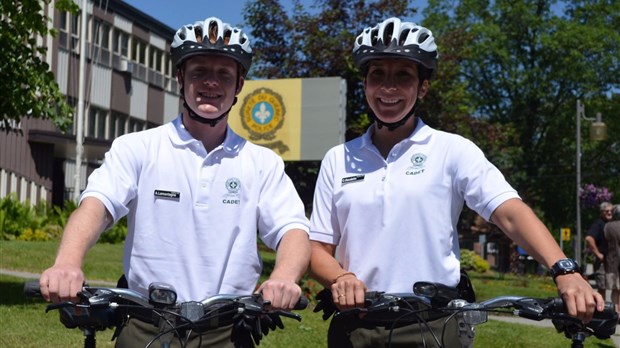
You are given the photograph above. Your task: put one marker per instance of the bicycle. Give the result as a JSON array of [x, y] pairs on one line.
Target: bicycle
[[434, 301], [102, 308]]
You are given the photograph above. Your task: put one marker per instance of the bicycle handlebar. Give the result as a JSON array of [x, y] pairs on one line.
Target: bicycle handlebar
[[431, 301], [251, 316]]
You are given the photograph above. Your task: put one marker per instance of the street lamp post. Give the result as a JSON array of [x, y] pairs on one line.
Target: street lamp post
[[598, 131]]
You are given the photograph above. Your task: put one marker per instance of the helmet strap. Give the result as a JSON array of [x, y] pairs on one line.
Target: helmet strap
[[393, 125]]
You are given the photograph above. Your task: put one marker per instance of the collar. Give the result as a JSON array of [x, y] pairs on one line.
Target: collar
[[420, 134], [180, 136]]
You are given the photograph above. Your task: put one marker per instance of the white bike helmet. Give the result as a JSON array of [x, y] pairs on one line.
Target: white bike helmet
[[395, 39], [211, 36]]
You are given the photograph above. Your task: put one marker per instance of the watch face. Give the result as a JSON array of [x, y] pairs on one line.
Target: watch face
[[566, 264]]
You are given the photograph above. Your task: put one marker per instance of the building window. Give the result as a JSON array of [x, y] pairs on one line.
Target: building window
[[136, 125], [121, 43], [118, 125], [138, 53], [101, 40], [156, 59], [97, 122], [69, 29]]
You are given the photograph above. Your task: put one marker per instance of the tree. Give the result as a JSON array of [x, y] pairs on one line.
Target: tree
[[28, 87], [523, 64], [317, 42]]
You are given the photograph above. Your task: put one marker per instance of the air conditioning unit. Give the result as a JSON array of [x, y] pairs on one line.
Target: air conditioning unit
[[126, 66]]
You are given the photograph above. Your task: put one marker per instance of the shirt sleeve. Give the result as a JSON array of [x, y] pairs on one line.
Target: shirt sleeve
[[280, 207], [114, 183], [483, 186], [324, 224]]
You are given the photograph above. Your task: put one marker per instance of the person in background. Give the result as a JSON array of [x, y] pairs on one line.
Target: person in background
[[612, 257], [595, 240], [387, 203], [195, 194]]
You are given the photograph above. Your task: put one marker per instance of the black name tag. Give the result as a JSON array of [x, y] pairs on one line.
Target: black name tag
[[354, 178], [167, 194]]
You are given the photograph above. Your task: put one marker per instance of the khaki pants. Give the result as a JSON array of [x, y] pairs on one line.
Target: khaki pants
[[138, 334], [354, 333]]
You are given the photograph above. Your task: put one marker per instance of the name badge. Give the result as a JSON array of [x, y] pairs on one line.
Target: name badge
[[350, 179], [167, 194]]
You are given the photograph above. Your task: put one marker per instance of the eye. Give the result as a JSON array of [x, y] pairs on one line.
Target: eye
[[376, 71]]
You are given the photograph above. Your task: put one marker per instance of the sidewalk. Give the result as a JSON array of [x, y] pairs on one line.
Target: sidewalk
[[35, 276], [545, 323]]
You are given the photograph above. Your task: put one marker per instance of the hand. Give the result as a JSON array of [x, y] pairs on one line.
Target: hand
[[61, 283], [283, 294], [348, 292], [580, 298]]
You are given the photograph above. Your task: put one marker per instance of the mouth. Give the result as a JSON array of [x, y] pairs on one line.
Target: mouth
[[388, 101], [206, 96]]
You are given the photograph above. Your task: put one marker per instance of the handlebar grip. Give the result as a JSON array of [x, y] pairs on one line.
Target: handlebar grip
[[608, 311], [302, 303], [32, 289]]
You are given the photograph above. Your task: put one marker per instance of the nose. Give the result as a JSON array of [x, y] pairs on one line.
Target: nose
[[210, 78]]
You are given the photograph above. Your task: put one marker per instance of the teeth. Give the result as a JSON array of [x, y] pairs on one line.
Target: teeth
[[389, 101]]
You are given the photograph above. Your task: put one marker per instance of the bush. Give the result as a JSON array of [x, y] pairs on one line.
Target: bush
[[470, 261], [116, 234], [17, 217], [23, 221]]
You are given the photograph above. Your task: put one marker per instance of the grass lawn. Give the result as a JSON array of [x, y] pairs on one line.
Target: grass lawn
[[24, 323]]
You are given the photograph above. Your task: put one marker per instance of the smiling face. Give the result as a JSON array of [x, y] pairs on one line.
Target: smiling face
[[392, 88], [210, 84]]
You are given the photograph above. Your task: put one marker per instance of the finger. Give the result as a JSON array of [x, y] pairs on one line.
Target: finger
[[268, 294], [44, 287], [74, 288], [360, 295], [571, 305], [600, 301], [336, 292]]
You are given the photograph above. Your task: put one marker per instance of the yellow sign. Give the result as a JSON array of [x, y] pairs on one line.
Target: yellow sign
[[565, 233], [268, 113]]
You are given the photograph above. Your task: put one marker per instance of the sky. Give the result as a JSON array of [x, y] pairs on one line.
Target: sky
[[176, 13]]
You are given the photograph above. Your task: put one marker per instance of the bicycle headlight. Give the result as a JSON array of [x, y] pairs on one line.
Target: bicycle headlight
[[162, 294], [425, 289]]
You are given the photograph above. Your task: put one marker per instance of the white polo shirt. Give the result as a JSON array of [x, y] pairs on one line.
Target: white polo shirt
[[193, 216], [395, 220]]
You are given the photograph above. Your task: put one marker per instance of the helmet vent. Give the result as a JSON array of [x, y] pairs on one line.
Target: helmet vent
[[387, 33]]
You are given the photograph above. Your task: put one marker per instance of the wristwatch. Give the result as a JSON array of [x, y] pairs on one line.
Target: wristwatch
[[564, 266]]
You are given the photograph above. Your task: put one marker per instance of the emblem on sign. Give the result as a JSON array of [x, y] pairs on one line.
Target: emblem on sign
[[262, 114]]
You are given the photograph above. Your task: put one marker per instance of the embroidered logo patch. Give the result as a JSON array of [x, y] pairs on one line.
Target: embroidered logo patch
[[418, 160], [233, 186]]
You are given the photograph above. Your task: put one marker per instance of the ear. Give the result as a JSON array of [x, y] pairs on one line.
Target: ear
[[180, 77], [240, 85], [423, 89]]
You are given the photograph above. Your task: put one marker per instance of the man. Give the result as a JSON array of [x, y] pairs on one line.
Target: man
[[595, 240], [195, 194]]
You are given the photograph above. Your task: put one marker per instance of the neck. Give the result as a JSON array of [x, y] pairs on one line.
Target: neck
[[210, 136], [385, 139]]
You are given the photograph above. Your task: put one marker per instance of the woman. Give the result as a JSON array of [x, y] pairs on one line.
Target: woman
[[387, 203]]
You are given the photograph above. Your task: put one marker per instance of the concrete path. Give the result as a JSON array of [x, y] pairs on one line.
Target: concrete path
[[35, 276], [546, 323]]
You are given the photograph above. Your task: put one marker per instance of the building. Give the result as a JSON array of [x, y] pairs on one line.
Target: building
[[130, 86]]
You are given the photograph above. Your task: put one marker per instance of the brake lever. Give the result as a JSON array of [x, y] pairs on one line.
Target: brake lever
[[288, 314]]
